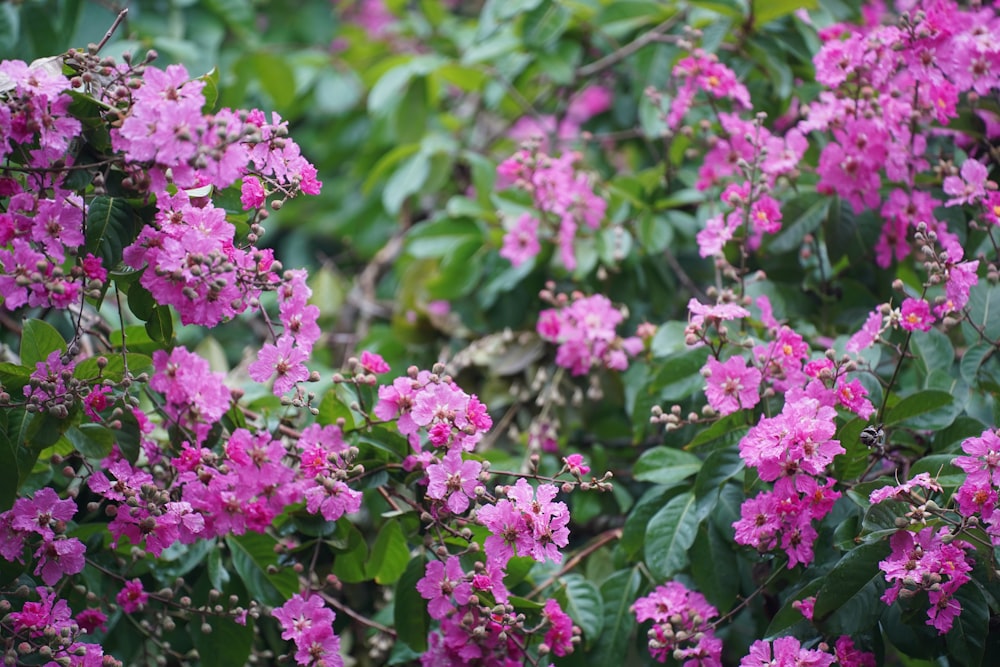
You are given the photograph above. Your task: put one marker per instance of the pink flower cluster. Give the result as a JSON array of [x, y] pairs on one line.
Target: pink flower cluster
[[42, 519], [563, 197], [929, 560], [51, 621], [309, 623], [584, 329], [978, 494], [682, 626], [789, 652], [703, 72], [906, 88], [195, 397], [166, 130], [426, 406], [589, 102], [527, 523], [758, 213], [285, 359]]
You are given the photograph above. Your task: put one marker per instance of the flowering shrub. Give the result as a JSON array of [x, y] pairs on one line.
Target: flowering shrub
[[535, 334]]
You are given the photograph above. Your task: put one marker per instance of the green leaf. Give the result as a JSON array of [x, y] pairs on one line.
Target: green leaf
[[110, 229], [967, 638], [10, 27], [765, 11], [229, 643], [38, 340], [410, 117], [13, 377], [390, 554], [405, 181], [276, 77], [788, 616], [335, 405], [726, 432], [129, 436], [582, 601], [349, 562], [663, 465], [933, 350], [814, 209], [254, 559], [439, 238], [14, 424], [618, 593], [849, 595], [92, 440], [714, 567], [973, 358], [160, 325], [670, 534], [9, 478], [45, 430], [634, 530], [984, 308], [545, 24], [410, 609], [917, 404]]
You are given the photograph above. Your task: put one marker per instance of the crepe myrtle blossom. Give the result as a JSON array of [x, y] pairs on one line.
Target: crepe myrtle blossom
[[309, 624], [282, 361], [525, 524], [584, 331], [929, 560], [441, 584], [731, 385], [682, 625], [454, 481]]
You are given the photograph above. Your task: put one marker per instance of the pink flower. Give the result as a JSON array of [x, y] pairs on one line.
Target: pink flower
[[732, 385], [970, 187], [520, 243], [867, 335], [57, 558], [132, 597], [915, 314], [373, 363], [454, 481], [784, 652], [559, 636], [576, 465], [284, 362], [441, 582], [309, 623], [41, 513], [251, 193]]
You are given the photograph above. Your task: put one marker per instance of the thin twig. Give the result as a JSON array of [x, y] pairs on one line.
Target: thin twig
[[114, 26], [624, 52], [602, 539]]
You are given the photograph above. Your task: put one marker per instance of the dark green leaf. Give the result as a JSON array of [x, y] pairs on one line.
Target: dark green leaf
[[110, 229], [663, 465], [128, 437], [788, 616], [917, 404], [255, 561], [38, 340], [618, 593], [714, 566], [9, 478], [13, 377], [582, 601], [350, 561], [228, 644], [670, 534], [973, 358], [933, 350], [390, 554], [726, 432], [405, 181], [852, 581], [967, 637], [160, 325], [634, 530], [410, 609], [92, 440]]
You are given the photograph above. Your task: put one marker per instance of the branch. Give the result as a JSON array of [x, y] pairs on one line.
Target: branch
[[624, 52], [114, 26]]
